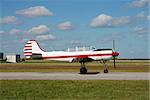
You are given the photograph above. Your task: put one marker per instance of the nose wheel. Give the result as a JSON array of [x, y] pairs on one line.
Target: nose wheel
[[105, 65], [105, 70]]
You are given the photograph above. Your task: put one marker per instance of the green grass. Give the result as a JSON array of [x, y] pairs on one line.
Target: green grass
[[73, 90], [49, 66]]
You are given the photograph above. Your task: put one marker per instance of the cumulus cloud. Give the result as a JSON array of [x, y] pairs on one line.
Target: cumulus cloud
[[35, 11], [65, 26], [120, 21], [41, 29], [104, 20], [45, 37], [9, 20], [101, 21], [138, 3], [40, 33], [37, 30]]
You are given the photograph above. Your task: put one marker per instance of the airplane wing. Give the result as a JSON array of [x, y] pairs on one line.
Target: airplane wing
[[82, 59]]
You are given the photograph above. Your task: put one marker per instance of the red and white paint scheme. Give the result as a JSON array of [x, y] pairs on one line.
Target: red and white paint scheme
[[33, 50]]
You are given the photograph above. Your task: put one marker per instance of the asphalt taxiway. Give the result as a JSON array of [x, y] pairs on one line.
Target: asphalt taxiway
[[74, 76]]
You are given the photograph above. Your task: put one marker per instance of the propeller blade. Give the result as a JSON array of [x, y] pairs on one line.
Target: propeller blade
[[114, 62], [113, 45]]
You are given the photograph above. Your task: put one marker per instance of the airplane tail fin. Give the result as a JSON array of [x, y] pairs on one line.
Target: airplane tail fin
[[31, 48]]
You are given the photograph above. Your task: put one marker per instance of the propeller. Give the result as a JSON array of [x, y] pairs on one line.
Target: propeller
[[114, 56], [114, 62]]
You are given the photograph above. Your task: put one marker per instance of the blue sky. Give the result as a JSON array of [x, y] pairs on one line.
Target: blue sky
[[59, 24]]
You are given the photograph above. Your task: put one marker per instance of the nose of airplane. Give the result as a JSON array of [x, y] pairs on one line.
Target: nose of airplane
[[115, 53]]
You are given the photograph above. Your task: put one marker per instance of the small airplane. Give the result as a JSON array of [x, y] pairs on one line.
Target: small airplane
[[34, 51]]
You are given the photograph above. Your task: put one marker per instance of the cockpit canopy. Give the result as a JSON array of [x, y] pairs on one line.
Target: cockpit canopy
[[101, 49]]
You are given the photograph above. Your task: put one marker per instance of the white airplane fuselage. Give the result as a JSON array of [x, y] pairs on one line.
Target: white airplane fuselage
[[32, 48], [69, 56]]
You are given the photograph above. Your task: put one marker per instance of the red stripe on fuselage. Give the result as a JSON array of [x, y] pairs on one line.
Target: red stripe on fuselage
[[27, 49], [27, 53], [76, 56]]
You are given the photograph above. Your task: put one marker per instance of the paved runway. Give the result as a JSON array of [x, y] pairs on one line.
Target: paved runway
[[74, 76]]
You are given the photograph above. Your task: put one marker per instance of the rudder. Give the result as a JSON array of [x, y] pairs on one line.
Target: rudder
[[31, 48]]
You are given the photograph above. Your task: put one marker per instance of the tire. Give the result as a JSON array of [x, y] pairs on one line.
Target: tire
[[83, 70], [106, 71]]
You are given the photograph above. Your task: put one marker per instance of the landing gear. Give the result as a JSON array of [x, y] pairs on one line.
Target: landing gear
[[83, 69], [105, 70]]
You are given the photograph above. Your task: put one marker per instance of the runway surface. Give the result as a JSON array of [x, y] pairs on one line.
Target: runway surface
[[74, 76]]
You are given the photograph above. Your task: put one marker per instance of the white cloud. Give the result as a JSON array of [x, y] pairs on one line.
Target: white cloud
[[140, 30], [45, 37], [104, 20], [15, 31], [148, 17], [41, 29], [35, 11], [9, 20], [38, 30], [138, 3], [65, 26], [141, 15], [120, 21]]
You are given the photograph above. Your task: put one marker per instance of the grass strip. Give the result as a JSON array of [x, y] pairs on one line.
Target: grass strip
[[73, 90]]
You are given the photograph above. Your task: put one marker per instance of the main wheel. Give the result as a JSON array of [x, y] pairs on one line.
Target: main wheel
[[106, 71], [83, 70]]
